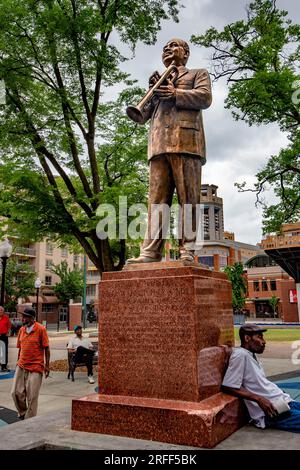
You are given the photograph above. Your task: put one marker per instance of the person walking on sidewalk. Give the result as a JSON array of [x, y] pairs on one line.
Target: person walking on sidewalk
[[5, 326], [33, 344], [84, 352]]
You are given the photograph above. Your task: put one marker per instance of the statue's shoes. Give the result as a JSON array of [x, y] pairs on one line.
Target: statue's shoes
[[142, 259], [187, 257]]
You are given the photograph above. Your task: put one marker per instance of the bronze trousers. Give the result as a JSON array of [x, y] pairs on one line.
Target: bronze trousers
[[167, 173]]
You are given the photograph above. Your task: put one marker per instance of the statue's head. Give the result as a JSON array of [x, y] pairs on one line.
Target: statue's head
[[177, 51]]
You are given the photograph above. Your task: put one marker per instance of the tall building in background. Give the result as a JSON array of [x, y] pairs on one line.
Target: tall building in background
[[39, 258], [220, 248], [212, 215]]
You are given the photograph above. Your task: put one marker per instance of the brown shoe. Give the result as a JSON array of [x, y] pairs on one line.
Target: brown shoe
[[187, 256]]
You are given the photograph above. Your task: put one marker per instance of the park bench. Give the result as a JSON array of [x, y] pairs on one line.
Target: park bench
[[73, 364]]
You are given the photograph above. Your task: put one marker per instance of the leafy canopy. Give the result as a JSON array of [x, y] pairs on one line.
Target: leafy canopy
[[70, 285], [19, 283], [63, 149]]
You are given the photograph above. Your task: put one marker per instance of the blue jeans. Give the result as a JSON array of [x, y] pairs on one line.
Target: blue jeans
[[288, 421]]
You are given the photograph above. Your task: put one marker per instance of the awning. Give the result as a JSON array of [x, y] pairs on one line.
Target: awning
[[32, 299], [258, 299], [43, 299], [50, 299]]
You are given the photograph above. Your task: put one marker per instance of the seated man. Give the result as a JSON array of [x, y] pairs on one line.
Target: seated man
[[84, 352], [267, 404]]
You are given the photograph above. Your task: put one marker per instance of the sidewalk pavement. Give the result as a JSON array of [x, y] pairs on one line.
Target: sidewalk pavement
[[53, 431]]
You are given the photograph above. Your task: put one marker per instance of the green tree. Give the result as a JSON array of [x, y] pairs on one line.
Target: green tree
[[19, 283], [259, 57], [235, 274], [59, 146], [273, 301], [70, 285], [71, 282]]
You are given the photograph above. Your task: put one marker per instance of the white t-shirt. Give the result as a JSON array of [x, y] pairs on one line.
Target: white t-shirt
[[246, 372], [75, 342]]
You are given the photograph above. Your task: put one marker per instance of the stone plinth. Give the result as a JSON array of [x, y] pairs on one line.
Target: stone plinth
[[202, 424], [165, 333]]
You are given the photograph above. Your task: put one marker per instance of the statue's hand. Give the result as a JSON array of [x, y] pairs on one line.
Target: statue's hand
[[153, 79], [166, 92]]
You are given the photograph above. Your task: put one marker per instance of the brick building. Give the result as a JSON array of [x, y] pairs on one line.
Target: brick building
[[265, 280], [39, 258]]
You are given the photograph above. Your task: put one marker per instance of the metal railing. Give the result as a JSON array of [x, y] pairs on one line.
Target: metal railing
[[22, 250]]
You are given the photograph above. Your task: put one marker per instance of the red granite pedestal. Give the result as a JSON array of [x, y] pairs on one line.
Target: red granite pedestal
[[165, 333]]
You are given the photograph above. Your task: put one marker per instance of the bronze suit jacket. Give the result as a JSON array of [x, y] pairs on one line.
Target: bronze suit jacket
[[176, 124]]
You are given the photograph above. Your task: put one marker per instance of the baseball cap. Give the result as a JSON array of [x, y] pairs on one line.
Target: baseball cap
[[250, 329], [29, 312], [77, 327]]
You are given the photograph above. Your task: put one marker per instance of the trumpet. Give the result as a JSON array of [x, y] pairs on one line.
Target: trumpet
[[137, 113]]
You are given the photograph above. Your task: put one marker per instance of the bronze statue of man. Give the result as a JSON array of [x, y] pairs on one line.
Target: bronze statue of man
[[176, 149]]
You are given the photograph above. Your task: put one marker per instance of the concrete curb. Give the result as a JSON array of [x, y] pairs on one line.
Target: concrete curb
[[67, 332]]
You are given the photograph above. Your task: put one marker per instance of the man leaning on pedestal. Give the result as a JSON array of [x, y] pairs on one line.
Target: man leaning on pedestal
[[176, 148], [267, 404], [33, 361]]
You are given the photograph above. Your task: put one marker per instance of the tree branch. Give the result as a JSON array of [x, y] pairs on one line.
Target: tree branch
[[40, 148]]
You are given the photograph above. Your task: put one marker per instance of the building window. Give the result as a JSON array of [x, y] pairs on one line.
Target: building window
[[75, 261], [64, 252], [49, 248], [48, 308], [264, 285], [91, 289], [48, 280], [207, 260], [273, 285], [256, 286], [49, 264], [22, 261], [173, 255]]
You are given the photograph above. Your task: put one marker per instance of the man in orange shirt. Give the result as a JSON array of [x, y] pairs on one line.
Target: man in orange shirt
[[33, 344], [4, 331]]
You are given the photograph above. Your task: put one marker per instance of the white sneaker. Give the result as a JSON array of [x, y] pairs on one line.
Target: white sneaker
[[91, 379]]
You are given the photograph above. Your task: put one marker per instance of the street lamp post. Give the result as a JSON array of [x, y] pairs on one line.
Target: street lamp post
[[37, 285], [5, 252], [84, 293]]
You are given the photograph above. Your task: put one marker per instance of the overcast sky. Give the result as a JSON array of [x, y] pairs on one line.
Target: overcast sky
[[235, 152]]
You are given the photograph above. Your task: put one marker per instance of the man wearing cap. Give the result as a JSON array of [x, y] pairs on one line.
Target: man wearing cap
[[84, 352], [33, 361], [267, 404]]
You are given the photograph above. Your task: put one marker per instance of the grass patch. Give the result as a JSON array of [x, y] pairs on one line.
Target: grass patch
[[277, 334]]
